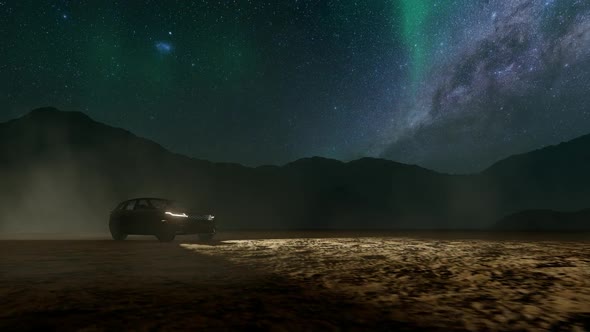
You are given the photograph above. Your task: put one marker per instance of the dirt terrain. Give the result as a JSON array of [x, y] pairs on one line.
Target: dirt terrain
[[298, 281]]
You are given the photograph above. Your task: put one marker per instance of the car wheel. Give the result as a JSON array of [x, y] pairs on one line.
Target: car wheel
[[116, 232], [205, 236], [165, 236]]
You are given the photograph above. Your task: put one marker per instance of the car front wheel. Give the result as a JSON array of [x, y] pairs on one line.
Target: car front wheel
[[205, 236], [166, 235]]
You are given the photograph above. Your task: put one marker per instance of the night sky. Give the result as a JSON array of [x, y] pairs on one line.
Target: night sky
[[449, 85]]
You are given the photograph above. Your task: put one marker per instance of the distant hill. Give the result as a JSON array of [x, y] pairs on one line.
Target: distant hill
[[63, 171], [555, 177], [545, 220]]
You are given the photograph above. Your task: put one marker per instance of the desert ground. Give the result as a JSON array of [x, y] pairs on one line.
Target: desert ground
[[297, 281]]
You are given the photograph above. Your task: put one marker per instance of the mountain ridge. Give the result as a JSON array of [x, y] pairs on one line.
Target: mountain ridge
[[51, 112], [45, 113], [50, 158]]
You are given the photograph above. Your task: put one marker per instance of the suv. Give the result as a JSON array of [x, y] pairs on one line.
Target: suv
[[160, 217]]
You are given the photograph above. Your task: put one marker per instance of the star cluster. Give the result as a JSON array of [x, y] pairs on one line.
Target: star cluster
[[451, 85]]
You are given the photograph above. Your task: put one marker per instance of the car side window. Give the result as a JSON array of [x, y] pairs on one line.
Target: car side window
[[158, 204], [142, 204], [130, 205]]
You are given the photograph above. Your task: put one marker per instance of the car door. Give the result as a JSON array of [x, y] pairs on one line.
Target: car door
[[145, 217]]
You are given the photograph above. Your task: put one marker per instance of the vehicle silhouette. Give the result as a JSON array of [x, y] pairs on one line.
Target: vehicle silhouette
[[160, 217]]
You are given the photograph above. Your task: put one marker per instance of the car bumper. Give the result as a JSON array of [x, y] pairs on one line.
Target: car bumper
[[192, 226]]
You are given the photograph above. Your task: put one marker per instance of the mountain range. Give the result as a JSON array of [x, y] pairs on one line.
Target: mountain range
[[63, 171]]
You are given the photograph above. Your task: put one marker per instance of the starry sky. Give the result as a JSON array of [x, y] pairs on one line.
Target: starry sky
[[451, 85]]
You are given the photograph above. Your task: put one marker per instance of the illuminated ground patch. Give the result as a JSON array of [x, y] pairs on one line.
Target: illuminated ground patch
[[472, 284]]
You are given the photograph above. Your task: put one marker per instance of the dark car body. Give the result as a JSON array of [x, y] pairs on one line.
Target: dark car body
[[160, 217]]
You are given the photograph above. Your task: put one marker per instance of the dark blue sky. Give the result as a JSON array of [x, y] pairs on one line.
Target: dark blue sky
[[449, 85]]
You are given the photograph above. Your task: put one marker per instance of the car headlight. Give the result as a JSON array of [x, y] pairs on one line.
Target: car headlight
[[183, 215]]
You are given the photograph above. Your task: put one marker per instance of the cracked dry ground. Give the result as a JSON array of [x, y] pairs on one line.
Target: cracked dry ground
[[368, 283]]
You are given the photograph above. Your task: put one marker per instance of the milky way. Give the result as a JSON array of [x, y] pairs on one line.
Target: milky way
[[450, 85], [516, 82]]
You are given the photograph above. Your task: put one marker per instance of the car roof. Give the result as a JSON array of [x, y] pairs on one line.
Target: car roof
[[148, 198]]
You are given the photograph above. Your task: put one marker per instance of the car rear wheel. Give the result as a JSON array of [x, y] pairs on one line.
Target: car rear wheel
[[116, 232]]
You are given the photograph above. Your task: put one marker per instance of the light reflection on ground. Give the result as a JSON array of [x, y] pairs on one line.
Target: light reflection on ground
[[472, 284]]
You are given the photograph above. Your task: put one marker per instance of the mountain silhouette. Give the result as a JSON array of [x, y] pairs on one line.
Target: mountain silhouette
[[555, 177], [545, 220], [63, 171]]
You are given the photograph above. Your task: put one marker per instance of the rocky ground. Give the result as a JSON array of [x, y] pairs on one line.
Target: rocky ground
[[278, 281]]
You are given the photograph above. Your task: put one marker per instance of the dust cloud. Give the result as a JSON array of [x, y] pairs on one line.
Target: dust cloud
[[61, 196]]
